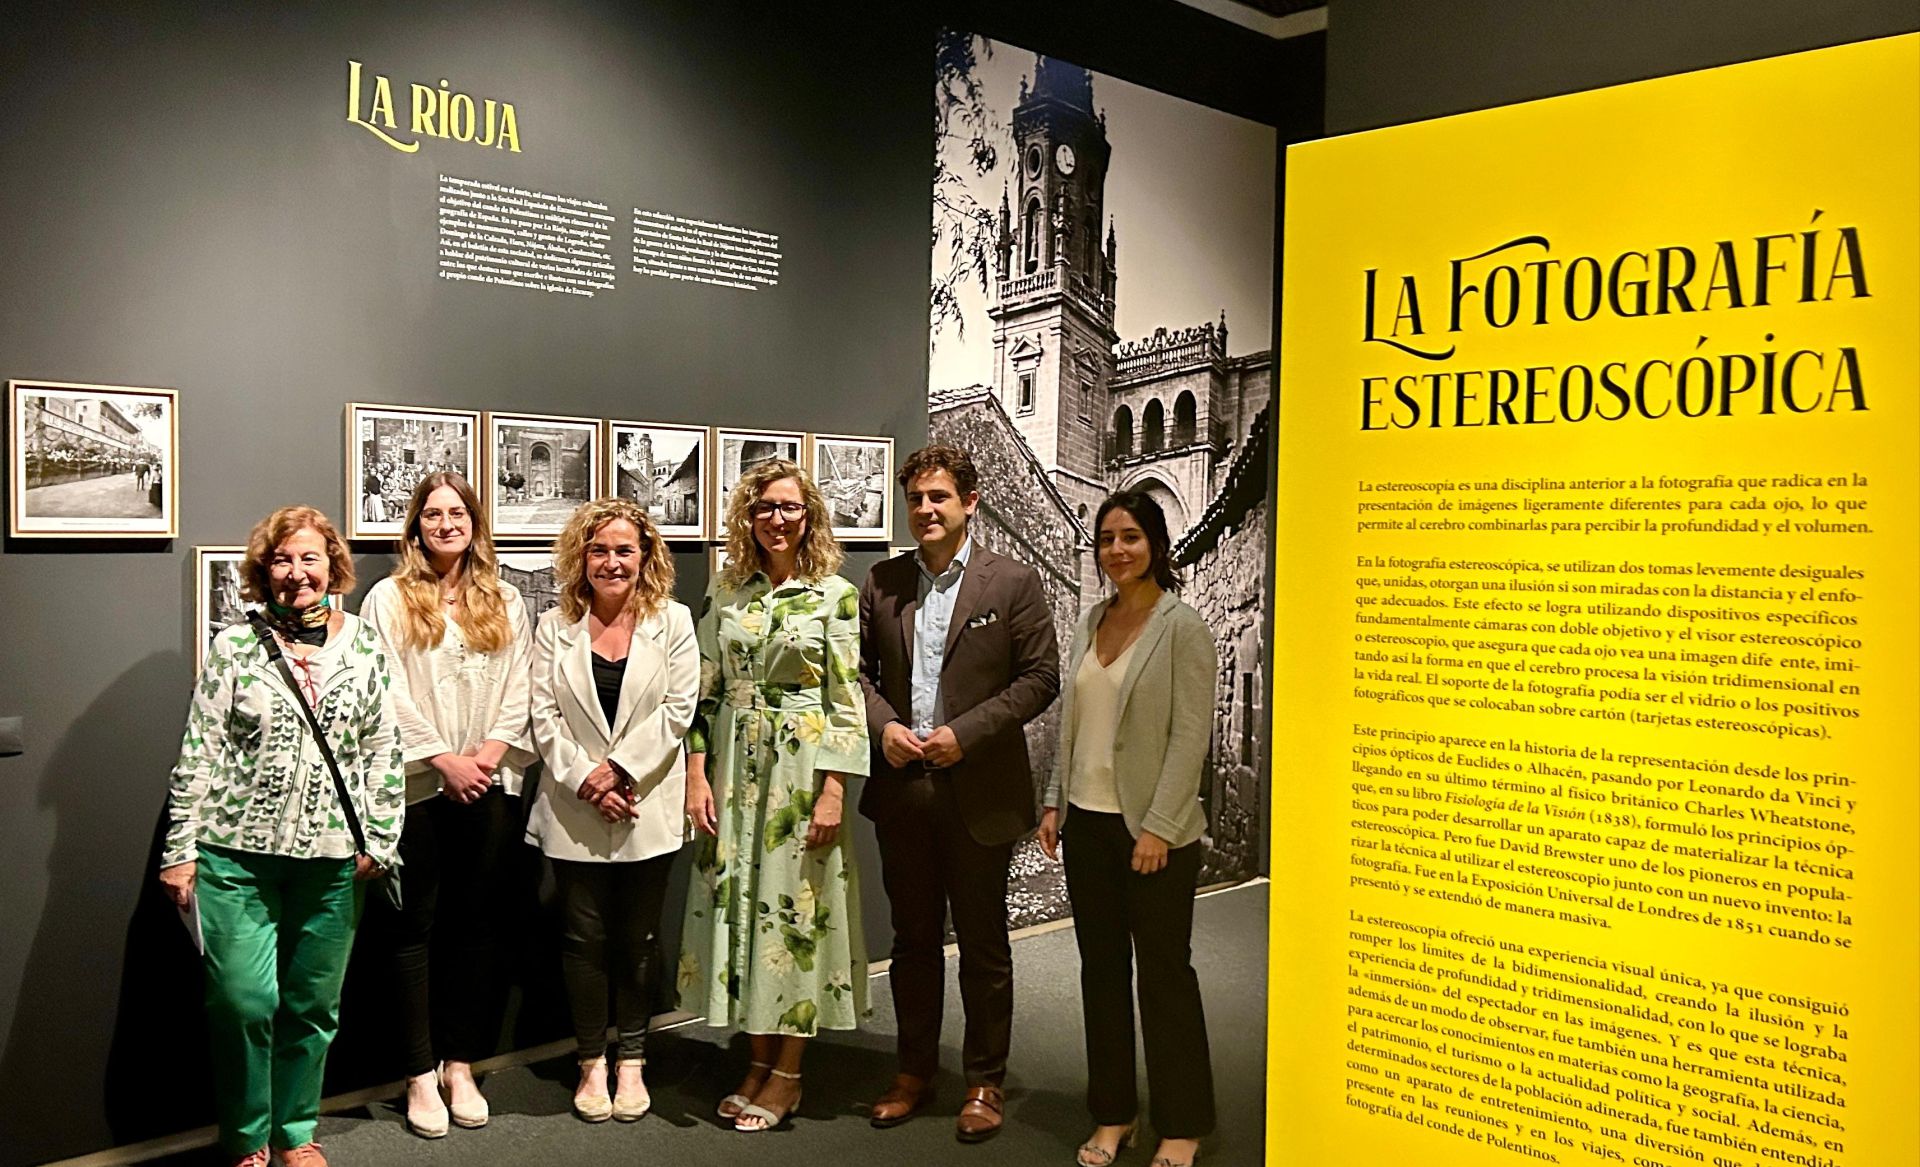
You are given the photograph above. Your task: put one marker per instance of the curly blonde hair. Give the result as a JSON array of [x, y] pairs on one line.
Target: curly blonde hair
[[820, 554], [482, 613], [256, 574], [652, 586]]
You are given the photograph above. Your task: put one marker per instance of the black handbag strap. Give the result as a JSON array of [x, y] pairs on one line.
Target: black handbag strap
[[271, 644]]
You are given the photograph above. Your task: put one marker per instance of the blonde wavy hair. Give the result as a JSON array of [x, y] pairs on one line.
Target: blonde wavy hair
[[256, 572], [482, 613], [820, 554], [652, 586]]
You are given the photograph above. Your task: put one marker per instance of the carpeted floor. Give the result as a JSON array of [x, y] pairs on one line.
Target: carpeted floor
[[691, 1067]]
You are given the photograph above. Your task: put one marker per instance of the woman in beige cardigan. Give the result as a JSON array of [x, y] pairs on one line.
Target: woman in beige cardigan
[[1136, 715], [615, 673]]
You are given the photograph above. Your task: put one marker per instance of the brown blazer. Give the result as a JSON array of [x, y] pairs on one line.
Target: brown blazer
[[1002, 670]]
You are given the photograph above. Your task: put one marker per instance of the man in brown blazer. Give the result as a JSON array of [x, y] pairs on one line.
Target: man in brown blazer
[[957, 654]]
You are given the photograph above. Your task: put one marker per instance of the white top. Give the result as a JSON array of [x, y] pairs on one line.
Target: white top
[[1096, 709], [449, 698]]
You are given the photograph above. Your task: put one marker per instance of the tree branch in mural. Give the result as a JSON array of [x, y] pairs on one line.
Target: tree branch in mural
[[963, 230]]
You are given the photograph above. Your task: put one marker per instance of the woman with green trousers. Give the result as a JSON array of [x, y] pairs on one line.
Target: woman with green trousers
[[257, 835]]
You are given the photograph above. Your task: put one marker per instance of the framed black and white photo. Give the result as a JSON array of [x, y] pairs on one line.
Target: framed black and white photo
[[217, 603], [738, 451], [717, 561], [664, 469], [856, 475], [390, 448], [532, 573], [92, 461], [539, 468]]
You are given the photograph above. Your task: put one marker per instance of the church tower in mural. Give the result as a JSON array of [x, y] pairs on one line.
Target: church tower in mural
[[1052, 310]]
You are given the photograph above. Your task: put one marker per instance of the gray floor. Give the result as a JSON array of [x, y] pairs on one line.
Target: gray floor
[[689, 1068]]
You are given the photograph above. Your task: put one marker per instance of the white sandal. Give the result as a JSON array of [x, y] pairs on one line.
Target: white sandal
[[739, 1102], [762, 1119]]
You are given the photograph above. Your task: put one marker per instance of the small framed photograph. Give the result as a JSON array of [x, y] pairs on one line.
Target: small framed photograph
[[738, 451], [532, 573], [539, 469], [664, 469], [717, 560], [217, 602], [390, 448], [856, 475], [92, 461]]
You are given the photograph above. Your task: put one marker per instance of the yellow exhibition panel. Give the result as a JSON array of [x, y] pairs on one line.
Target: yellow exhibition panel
[[1597, 838]]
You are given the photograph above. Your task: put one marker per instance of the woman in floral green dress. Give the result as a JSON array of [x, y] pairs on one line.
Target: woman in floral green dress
[[772, 939]]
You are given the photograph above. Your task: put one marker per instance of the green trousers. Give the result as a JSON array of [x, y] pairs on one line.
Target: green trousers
[[278, 932]]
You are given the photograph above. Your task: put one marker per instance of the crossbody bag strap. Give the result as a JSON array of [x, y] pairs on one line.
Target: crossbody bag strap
[[271, 644]]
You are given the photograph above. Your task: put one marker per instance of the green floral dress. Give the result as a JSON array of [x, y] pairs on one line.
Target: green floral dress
[[772, 938]]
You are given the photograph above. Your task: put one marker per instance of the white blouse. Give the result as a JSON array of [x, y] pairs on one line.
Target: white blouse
[[1096, 712], [450, 698]]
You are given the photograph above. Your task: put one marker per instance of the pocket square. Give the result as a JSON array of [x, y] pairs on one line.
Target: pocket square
[[983, 621]]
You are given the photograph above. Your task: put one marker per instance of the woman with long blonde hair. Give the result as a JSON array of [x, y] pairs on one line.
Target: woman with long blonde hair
[[459, 639], [772, 941], [615, 673]]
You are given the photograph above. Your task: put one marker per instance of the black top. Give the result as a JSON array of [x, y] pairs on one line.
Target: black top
[[607, 675]]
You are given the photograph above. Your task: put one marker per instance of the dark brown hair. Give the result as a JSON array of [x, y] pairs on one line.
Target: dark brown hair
[[955, 461], [1153, 524]]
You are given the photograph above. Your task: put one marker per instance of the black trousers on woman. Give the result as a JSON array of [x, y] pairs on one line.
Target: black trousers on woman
[[1121, 918], [455, 884], [610, 934]]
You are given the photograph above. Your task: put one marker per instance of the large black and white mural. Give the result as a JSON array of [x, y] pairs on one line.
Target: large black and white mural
[[1100, 318]]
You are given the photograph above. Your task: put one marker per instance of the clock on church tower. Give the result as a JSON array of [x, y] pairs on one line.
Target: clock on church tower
[[1052, 306]]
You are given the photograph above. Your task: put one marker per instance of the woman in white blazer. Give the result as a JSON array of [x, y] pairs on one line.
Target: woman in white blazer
[[459, 649], [1136, 717], [615, 673]]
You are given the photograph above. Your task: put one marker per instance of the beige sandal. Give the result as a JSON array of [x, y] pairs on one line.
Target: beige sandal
[[592, 1107]]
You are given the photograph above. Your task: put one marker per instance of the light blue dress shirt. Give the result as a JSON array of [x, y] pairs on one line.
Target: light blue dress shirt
[[930, 622]]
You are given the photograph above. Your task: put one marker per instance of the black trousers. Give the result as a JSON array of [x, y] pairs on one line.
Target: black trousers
[[455, 883], [609, 941], [1120, 917], [929, 862]]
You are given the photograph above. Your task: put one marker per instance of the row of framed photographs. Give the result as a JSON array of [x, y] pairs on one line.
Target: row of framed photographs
[[217, 601], [103, 462], [533, 469]]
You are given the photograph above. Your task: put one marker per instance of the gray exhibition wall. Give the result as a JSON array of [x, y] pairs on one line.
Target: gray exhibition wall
[[187, 205]]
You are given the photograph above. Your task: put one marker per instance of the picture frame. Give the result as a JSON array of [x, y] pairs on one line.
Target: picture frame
[[855, 473], [390, 448], [663, 467], [539, 468], [532, 573], [736, 451], [92, 461], [716, 560], [216, 595]]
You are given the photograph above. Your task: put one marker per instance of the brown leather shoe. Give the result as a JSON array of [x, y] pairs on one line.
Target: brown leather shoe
[[980, 1115], [304, 1155], [897, 1105]]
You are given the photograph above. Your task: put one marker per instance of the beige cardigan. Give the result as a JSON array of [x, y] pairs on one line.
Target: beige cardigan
[[1164, 724]]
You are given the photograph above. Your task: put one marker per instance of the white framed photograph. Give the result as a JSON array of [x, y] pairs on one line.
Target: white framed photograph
[[737, 451], [92, 461], [856, 476], [217, 603], [717, 560], [663, 468], [390, 448], [532, 573], [539, 468]]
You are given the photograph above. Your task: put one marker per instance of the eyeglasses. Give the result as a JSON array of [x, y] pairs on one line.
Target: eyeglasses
[[790, 511], [435, 514]]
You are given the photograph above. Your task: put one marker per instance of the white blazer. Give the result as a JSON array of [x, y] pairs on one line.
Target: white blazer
[[646, 739]]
